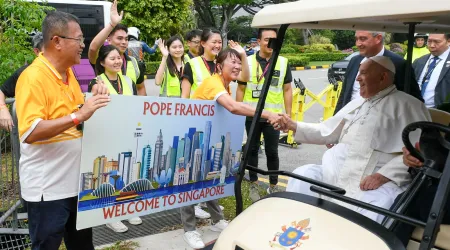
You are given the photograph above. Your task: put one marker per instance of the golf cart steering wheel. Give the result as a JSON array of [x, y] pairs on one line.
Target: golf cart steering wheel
[[433, 146]]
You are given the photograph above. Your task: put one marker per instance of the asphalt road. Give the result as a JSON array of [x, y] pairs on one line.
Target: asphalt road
[[290, 158]]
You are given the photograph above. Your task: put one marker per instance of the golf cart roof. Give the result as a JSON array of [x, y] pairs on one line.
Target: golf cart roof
[[376, 15]]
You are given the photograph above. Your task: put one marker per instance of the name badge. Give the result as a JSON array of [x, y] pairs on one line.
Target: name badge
[[256, 93]]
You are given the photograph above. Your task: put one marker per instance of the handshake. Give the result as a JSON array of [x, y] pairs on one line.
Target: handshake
[[282, 122]]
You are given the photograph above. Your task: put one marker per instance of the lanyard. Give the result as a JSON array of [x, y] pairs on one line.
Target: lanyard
[[119, 84], [259, 77], [207, 66], [179, 73]]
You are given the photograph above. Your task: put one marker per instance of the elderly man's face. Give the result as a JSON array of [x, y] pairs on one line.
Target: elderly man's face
[[74, 46], [370, 79]]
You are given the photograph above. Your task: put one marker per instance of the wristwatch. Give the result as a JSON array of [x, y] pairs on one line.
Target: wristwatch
[[74, 119]]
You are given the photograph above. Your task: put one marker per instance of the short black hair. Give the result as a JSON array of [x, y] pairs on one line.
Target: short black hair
[[119, 27], [192, 34], [56, 24], [261, 30]]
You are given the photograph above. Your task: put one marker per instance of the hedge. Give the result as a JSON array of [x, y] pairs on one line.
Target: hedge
[[152, 67], [294, 61], [320, 56], [298, 61]]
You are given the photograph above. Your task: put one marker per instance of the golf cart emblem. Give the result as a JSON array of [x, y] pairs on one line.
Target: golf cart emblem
[[291, 237]]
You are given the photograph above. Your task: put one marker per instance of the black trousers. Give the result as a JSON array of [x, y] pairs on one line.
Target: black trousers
[[51, 221], [271, 138], [419, 209]]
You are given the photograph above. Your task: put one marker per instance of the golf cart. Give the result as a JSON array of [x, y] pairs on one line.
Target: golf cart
[[291, 221]]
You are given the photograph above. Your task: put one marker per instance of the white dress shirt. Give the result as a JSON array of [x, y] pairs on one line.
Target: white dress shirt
[[428, 96]]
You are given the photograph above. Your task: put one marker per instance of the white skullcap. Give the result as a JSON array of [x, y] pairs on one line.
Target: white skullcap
[[385, 62]]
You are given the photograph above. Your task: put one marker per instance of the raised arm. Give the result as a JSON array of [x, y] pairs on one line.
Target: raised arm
[[244, 75], [100, 38], [162, 67]]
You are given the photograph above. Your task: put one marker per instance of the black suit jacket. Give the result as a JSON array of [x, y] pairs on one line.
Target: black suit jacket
[[442, 89], [399, 81]]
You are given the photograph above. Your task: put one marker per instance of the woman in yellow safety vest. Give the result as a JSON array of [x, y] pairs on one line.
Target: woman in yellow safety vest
[[217, 86], [108, 65], [203, 66], [170, 70]]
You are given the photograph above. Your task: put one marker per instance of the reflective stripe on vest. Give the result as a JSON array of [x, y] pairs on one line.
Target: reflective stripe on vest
[[275, 99], [127, 85], [199, 72], [133, 71], [171, 86]]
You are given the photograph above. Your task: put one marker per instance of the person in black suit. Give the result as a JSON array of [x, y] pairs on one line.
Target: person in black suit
[[370, 44], [433, 71]]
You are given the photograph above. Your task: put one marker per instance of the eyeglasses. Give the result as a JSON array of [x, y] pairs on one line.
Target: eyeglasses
[[80, 40], [195, 42]]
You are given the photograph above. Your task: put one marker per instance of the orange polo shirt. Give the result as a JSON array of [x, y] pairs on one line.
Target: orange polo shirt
[[49, 169], [211, 89], [41, 94]]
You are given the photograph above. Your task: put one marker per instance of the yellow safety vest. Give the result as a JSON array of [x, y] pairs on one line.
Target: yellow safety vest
[[275, 98], [127, 85], [199, 72], [186, 58], [133, 71], [418, 53], [171, 86]]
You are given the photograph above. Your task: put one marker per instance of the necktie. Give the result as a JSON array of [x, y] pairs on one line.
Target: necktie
[[427, 76]]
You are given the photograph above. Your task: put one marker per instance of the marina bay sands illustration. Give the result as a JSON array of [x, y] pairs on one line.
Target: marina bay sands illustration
[[191, 161]]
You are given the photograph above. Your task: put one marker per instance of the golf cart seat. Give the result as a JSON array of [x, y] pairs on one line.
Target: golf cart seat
[[443, 237], [442, 240], [286, 220]]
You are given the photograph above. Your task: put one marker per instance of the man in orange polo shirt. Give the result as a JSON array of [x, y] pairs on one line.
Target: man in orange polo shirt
[[48, 98]]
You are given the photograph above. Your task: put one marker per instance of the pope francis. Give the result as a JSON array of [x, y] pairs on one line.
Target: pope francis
[[366, 159]]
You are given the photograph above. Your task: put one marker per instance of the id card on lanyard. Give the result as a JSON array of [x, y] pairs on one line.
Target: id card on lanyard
[[257, 93]]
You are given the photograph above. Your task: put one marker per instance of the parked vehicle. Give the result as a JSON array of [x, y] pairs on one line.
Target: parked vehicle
[[338, 68]]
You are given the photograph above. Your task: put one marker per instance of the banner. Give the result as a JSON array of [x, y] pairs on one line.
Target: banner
[[143, 155]]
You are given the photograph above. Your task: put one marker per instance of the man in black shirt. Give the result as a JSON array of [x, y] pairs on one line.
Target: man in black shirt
[[8, 88]]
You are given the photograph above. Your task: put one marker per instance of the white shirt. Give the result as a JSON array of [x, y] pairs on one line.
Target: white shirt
[[428, 96], [355, 92]]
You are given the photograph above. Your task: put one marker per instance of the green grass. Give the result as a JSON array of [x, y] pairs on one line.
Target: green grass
[[320, 63], [229, 203], [119, 245]]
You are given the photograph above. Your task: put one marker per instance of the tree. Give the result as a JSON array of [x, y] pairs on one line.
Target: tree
[[218, 13], [18, 19], [157, 18], [344, 38], [240, 29]]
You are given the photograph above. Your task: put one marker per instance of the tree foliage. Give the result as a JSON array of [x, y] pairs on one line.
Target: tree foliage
[[240, 29], [344, 38], [157, 18], [218, 13], [18, 19]]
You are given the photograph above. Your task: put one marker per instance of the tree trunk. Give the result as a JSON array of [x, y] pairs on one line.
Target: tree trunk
[[305, 36]]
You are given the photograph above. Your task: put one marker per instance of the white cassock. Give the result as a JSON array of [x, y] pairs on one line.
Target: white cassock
[[368, 136]]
